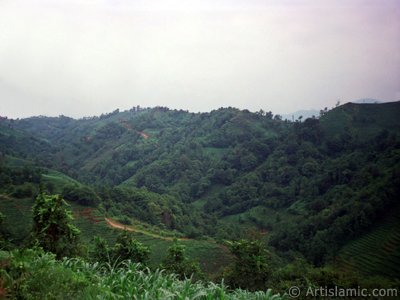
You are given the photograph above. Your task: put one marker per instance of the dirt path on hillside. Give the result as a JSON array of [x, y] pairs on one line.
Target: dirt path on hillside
[[144, 135], [118, 225], [6, 197], [129, 128]]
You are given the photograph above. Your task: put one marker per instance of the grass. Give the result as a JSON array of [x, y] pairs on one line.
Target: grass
[[211, 256], [58, 179], [200, 250], [258, 217], [14, 162], [376, 252]]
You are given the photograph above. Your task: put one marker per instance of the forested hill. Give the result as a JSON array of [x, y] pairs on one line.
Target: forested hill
[[314, 183]]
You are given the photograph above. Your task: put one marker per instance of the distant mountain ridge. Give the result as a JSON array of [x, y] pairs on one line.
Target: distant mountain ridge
[[309, 113], [367, 101], [305, 114]]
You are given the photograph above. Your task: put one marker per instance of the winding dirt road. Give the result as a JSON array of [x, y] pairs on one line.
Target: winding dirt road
[[118, 225]]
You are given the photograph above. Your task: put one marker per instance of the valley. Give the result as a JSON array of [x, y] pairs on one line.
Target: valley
[[323, 191]]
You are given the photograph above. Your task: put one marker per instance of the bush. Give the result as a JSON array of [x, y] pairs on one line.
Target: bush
[[34, 274], [125, 248], [52, 226], [250, 269], [178, 263], [128, 248]]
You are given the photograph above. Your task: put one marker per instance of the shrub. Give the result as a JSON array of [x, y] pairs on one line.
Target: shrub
[[52, 226], [128, 248], [178, 263]]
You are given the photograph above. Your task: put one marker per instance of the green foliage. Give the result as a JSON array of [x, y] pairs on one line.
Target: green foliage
[[125, 247], [250, 269], [324, 181], [366, 121], [376, 252], [20, 182], [33, 274], [100, 250], [25, 190], [178, 263], [17, 223], [162, 210], [80, 194], [52, 226], [301, 274], [128, 248]]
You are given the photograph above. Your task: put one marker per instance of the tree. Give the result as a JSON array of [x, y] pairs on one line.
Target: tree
[[127, 247], [100, 251], [250, 269], [52, 226], [178, 263]]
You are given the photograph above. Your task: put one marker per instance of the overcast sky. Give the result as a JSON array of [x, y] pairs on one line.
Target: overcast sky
[[86, 57]]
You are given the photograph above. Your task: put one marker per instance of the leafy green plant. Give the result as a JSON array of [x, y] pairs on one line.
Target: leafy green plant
[[250, 269], [52, 226], [34, 274], [178, 263], [128, 248]]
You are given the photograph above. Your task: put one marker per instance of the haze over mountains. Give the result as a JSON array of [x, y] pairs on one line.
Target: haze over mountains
[[309, 113]]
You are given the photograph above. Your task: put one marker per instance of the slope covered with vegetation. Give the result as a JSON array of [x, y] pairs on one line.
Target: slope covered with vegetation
[[24, 273], [306, 188]]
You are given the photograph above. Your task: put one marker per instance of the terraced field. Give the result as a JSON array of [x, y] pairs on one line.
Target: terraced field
[[377, 252]]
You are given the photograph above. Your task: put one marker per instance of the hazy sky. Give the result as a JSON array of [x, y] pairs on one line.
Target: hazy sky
[[85, 57]]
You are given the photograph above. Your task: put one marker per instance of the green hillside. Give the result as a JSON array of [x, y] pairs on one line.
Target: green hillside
[[318, 189], [18, 222], [91, 222], [376, 252], [363, 121]]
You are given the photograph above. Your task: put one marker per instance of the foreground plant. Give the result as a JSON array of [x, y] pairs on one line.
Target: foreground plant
[[34, 274]]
